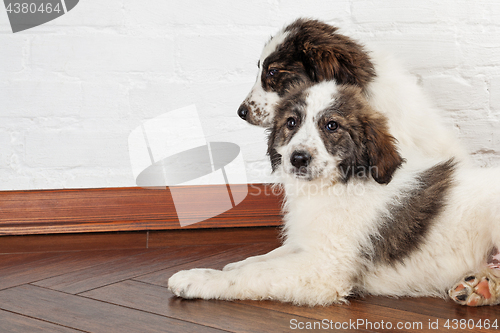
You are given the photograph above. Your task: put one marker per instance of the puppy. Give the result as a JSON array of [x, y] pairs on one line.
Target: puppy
[[363, 215], [309, 51]]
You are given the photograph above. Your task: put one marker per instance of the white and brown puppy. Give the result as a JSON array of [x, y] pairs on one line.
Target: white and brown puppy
[[360, 218], [310, 51]]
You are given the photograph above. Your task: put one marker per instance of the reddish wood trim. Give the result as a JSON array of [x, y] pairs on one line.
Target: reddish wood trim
[[214, 236], [125, 209], [137, 240]]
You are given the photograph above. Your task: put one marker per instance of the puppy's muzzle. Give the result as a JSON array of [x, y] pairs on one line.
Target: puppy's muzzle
[[300, 160]]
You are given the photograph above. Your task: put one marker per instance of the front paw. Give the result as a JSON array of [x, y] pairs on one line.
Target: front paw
[[194, 283]]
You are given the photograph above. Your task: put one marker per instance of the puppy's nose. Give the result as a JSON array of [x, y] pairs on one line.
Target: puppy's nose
[[300, 159], [243, 112]]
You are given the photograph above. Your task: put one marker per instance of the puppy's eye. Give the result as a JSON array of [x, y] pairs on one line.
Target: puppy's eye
[[271, 72], [291, 123], [332, 126]]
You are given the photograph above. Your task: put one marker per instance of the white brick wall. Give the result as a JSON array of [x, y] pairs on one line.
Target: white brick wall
[[73, 89]]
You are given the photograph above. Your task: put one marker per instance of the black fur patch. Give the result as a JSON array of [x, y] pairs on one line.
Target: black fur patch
[[313, 52], [405, 229], [328, 55]]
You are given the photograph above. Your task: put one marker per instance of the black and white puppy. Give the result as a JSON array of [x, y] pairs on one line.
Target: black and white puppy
[[362, 216], [310, 51]]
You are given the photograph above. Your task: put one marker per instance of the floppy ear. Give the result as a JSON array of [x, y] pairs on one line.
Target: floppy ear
[[337, 58], [382, 156], [274, 157]]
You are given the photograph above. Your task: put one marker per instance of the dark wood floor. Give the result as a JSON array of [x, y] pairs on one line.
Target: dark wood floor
[[124, 290]]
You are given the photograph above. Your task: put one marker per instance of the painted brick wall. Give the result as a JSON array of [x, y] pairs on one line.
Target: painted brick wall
[[73, 89]]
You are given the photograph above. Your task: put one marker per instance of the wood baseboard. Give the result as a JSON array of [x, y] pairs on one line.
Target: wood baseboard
[[127, 209], [137, 240]]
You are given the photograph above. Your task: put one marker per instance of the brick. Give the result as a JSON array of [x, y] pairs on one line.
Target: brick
[[384, 12], [422, 49], [482, 12], [456, 93], [336, 13], [206, 58], [12, 180], [80, 178], [494, 89], [23, 98], [102, 53], [481, 48], [479, 135], [12, 55], [387, 13], [107, 13], [104, 99], [4, 21], [199, 13], [156, 96], [76, 147], [7, 149]]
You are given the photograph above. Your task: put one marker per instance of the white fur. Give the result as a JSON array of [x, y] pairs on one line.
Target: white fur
[[412, 118], [327, 224]]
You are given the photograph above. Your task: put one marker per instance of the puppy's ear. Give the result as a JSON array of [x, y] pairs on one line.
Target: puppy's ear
[[274, 157], [382, 156], [337, 58]]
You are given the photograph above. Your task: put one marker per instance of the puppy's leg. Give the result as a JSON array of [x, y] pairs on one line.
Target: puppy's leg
[[478, 289], [300, 278], [278, 252]]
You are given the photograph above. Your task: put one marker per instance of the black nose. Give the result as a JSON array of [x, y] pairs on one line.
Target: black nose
[[300, 159], [243, 112]]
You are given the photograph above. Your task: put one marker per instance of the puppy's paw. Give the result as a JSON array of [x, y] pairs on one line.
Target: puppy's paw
[[194, 283], [476, 290]]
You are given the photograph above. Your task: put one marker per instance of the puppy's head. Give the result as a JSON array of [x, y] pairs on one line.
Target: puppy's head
[[327, 131], [304, 51]]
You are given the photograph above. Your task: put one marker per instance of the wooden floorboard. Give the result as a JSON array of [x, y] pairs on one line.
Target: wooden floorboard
[[220, 314], [73, 242], [126, 267], [58, 264], [217, 261], [12, 322], [124, 291], [86, 314]]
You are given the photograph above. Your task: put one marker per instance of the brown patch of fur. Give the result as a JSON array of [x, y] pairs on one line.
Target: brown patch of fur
[[315, 52], [366, 146], [288, 72], [328, 55], [381, 149], [409, 221]]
